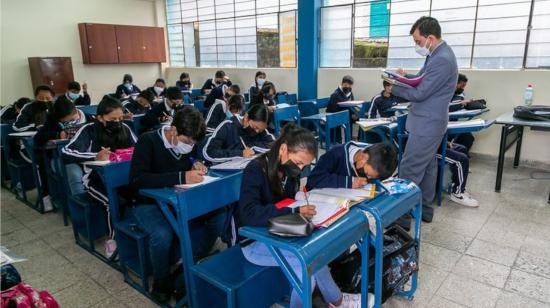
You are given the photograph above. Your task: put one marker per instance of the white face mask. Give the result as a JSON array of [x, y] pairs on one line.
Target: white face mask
[[423, 51], [158, 90], [260, 81], [183, 148]]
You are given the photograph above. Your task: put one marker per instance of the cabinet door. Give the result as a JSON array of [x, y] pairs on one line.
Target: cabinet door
[[56, 72], [153, 43], [130, 44], [101, 41]]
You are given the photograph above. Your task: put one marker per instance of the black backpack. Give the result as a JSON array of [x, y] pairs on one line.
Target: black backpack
[[536, 112]]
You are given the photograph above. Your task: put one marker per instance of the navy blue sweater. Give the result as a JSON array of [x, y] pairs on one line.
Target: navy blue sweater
[[135, 108], [83, 100], [336, 97], [225, 143], [216, 115], [257, 201], [216, 93], [456, 102], [52, 128], [334, 169], [184, 87], [122, 89], [32, 116], [381, 105], [210, 85], [151, 119]]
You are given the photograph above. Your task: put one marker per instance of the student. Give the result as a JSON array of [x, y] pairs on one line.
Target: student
[[266, 96], [350, 165], [270, 178], [165, 111], [33, 115], [96, 141], [259, 81], [459, 162], [73, 94], [383, 102], [158, 89], [219, 93], [9, 113], [220, 78], [217, 112], [164, 158], [127, 87], [184, 84], [459, 102], [341, 94], [240, 136], [142, 104]]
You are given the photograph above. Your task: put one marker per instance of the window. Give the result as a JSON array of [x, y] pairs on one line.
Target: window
[[335, 41], [232, 33], [487, 34]]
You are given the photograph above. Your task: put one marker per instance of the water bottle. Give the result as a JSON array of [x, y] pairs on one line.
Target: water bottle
[[528, 96]]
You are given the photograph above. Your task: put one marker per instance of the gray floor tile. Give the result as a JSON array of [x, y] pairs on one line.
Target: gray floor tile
[[537, 246], [468, 292], [534, 264], [493, 252], [441, 258], [481, 270], [440, 302], [529, 285], [444, 238], [513, 300], [84, 293]]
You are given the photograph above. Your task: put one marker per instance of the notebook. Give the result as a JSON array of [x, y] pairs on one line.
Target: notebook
[[396, 79], [96, 162], [367, 124], [205, 180], [330, 203], [235, 164], [24, 134], [470, 123], [351, 103]]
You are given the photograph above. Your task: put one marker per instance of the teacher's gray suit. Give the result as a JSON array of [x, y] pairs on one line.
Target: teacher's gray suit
[[427, 120]]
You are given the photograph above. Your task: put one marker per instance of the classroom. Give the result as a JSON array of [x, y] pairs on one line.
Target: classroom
[[275, 153]]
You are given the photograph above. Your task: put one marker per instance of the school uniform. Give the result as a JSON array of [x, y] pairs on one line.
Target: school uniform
[[84, 146], [256, 206], [8, 114], [216, 94], [210, 85], [82, 100], [459, 163], [256, 100], [381, 105], [32, 116], [136, 108], [127, 90], [253, 92], [456, 102], [151, 119], [155, 94], [336, 97], [225, 143], [335, 168], [184, 87], [465, 139], [216, 114], [52, 128]]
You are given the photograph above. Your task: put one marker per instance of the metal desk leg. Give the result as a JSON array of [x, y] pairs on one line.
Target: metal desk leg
[[417, 214], [364, 247], [518, 146], [501, 154], [303, 288], [378, 258]]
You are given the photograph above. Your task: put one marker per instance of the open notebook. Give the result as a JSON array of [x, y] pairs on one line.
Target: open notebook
[[205, 180], [367, 124], [330, 203], [238, 163]]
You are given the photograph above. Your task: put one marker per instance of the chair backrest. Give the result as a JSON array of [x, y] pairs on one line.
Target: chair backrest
[[308, 108], [247, 97], [115, 175], [136, 123], [199, 104], [28, 143], [364, 112], [322, 102], [186, 100], [292, 99], [281, 98], [290, 113], [337, 120], [88, 109]]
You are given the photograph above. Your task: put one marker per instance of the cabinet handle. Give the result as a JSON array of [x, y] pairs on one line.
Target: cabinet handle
[[144, 47], [90, 47], [118, 47]]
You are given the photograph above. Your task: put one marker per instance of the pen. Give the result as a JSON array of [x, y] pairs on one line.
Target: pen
[[305, 194], [244, 144]]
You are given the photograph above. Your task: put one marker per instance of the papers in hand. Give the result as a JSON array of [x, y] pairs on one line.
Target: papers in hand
[[367, 124], [470, 123], [205, 180], [235, 164], [396, 79]]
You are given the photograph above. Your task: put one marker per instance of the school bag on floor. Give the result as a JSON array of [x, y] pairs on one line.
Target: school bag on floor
[[400, 262], [24, 296]]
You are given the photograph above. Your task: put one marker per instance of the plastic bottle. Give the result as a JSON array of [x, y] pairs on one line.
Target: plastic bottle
[[528, 96]]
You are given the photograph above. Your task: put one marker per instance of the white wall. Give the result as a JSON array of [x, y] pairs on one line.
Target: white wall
[[38, 28]]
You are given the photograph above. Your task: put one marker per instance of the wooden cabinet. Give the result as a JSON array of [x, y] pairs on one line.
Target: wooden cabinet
[[121, 44], [54, 71]]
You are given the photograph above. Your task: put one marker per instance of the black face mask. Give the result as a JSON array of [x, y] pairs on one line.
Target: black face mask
[[113, 127], [291, 169], [346, 90], [269, 97], [187, 82], [459, 91], [360, 172], [250, 131]]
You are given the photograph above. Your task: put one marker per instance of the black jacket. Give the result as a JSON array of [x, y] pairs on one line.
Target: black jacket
[[52, 128], [336, 97], [122, 89], [32, 116], [81, 101]]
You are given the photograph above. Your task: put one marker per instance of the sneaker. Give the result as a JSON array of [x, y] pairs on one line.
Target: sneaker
[[351, 300], [464, 199], [47, 202], [110, 248]]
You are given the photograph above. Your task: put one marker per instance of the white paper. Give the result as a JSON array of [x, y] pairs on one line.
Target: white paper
[[282, 105], [324, 210], [234, 164], [465, 112], [351, 103], [371, 123], [23, 134], [470, 123], [97, 162], [205, 180]]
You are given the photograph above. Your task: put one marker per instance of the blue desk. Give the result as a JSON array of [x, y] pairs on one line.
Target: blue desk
[[180, 206], [386, 209], [57, 176], [317, 250], [467, 114], [359, 109]]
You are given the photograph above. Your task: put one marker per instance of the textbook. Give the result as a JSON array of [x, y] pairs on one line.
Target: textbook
[[330, 203], [367, 124], [397, 79], [205, 180]]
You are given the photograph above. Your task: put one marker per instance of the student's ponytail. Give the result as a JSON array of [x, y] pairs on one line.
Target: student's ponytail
[[296, 139]]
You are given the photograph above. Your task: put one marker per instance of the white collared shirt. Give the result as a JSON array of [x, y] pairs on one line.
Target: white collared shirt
[[167, 144], [352, 151]]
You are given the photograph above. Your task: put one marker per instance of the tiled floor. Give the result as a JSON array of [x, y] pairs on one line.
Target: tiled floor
[[495, 256]]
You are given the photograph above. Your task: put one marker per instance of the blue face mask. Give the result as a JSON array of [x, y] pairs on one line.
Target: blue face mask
[[228, 114], [69, 123], [74, 96], [129, 86]]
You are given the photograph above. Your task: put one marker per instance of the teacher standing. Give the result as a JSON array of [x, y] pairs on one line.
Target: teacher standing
[[428, 115]]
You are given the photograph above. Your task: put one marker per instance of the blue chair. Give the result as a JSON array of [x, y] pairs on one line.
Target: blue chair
[[186, 100], [308, 108], [196, 93], [88, 109], [292, 99], [281, 99], [247, 97], [6, 180], [334, 122], [28, 143], [133, 252], [199, 104], [20, 170], [57, 178], [322, 102], [291, 113]]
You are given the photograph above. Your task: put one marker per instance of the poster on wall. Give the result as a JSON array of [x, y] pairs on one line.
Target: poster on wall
[[287, 39]]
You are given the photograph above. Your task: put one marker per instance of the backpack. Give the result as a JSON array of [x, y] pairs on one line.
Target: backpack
[[400, 262], [476, 104], [24, 296], [535, 112]]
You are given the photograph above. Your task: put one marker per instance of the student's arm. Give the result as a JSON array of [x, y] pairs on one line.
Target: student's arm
[[151, 119], [263, 142], [49, 131], [373, 108], [83, 100], [24, 121], [324, 175], [251, 211], [142, 168], [205, 86], [214, 150], [333, 103], [435, 76], [79, 148]]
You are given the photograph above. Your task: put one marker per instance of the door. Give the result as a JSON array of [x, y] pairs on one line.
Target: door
[[101, 41], [56, 72], [153, 43], [130, 44]]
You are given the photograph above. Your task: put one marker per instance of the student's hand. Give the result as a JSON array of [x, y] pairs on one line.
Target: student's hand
[[226, 77], [165, 118], [357, 182], [103, 154], [128, 116], [200, 167], [271, 108], [401, 71], [85, 87], [193, 176], [248, 152], [62, 135], [308, 211]]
